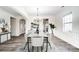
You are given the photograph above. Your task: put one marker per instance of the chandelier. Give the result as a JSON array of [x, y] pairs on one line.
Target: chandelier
[[36, 20]]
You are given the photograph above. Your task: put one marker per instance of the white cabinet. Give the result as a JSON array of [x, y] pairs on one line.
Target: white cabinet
[[3, 38], [9, 36]]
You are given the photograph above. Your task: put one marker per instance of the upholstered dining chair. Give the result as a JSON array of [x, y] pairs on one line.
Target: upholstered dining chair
[[27, 42], [37, 42]]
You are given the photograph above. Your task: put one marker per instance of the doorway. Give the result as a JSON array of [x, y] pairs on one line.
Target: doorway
[[22, 26], [13, 26]]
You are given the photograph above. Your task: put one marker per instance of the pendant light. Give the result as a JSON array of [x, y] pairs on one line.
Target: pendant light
[[36, 18]]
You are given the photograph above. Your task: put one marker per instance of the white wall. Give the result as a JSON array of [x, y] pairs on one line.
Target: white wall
[[18, 25], [5, 15], [15, 26], [70, 37], [28, 25]]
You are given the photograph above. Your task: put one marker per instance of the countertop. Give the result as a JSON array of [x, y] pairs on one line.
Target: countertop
[[4, 33]]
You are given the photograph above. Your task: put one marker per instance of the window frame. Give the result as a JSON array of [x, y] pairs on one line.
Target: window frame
[[67, 23]]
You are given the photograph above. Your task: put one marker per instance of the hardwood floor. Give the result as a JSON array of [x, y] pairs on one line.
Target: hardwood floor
[[16, 42], [12, 44], [63, 46]]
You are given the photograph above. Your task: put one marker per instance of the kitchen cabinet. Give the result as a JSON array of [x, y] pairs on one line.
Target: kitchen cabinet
[[4, 36]]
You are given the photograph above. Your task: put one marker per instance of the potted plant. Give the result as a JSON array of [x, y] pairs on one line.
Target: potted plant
[[52, 27], [3, 29]]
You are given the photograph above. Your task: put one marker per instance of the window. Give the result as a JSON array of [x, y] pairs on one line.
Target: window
[[67, 23]]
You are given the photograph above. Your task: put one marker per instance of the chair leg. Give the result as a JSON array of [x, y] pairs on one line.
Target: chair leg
[[25, 45], [28, 47], [41, 48], [50, 45], [46, 47], [32, 48], [43, 44], [37, 49]]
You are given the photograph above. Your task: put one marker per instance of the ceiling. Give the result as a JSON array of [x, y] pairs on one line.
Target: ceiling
[[10, 10], [32, 10], [42, 11]]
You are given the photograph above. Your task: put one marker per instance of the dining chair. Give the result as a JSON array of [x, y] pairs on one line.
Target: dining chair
[[28, 41], [37, 42]]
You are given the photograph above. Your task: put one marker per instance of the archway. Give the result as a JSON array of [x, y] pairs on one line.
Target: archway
[[22, 26]]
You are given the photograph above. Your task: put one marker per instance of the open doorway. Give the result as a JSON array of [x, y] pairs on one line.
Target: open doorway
[[45, 25], [13, 26], [22, 26]]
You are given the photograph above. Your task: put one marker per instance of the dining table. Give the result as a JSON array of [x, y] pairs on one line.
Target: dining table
[[30, 35]]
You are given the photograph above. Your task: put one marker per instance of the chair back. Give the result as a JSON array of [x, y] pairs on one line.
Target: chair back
[[37, 41]]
